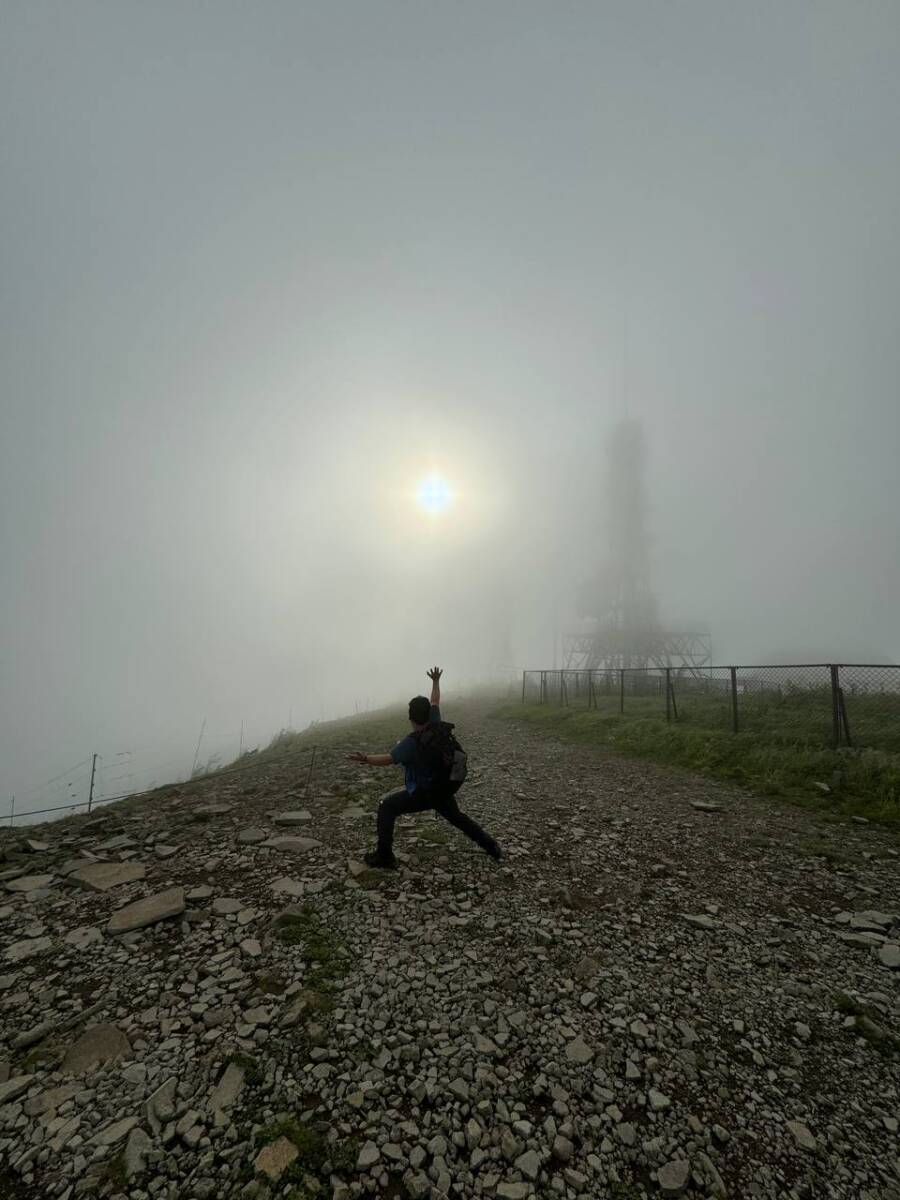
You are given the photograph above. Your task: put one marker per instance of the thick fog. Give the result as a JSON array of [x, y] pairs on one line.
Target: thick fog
[[266, 267]]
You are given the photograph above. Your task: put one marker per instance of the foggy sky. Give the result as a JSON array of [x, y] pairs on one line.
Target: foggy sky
[[263, 266]]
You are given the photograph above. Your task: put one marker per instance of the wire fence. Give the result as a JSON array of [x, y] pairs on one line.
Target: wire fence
[[820, 704], [101, 779]]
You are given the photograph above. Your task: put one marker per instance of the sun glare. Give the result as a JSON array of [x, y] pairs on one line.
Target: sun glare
[[434, 495]]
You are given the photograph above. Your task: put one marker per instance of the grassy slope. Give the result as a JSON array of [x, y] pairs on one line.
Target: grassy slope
[[867, 781]]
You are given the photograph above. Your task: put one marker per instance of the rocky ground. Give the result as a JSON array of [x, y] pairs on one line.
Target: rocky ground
[[667, 986]]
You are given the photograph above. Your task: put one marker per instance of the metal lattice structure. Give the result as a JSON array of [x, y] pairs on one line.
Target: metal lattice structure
[[619, 626], [613, 649]]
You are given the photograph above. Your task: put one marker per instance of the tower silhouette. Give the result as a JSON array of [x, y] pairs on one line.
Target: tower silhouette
[[618, 615]]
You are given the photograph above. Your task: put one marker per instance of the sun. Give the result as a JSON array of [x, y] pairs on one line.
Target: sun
[[434, 495]]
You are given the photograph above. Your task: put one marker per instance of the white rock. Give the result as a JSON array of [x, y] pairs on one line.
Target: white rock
[[529, 1164], [368, 1156], [674, 1175], [802, 1135], [577, 1051]]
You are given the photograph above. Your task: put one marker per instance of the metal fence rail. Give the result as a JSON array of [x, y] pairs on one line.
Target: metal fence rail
[[819, 704]]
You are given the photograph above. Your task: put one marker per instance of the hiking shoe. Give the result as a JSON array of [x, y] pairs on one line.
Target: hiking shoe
[[374, 859], [494, 851]]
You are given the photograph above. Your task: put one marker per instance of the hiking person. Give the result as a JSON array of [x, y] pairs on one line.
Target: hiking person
[[434, 766]]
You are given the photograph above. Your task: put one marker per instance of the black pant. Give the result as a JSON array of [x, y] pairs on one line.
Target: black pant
[[443, 802]]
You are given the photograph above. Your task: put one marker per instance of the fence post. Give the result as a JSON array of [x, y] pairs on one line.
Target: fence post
[[621, 690], [845, 724], [734, 710], [543, 699], [668, 696], [835, 710], [590, 690], [524, 673], [91, 791]]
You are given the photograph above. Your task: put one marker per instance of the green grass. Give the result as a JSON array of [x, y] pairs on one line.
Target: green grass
[[47, 1053], [253, 1074], [324, 954], [270, 983], [776, 761], [789, 713], [316, 1154], [113, 1173], [312, 1146], [866, 1027]]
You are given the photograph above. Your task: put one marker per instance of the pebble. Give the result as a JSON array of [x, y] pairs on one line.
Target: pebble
[[802, 1135]]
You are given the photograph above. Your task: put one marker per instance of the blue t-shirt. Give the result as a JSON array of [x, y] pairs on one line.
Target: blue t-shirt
[[418, 773]]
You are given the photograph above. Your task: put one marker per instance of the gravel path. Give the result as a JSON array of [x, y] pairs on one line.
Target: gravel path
[[666, 987]]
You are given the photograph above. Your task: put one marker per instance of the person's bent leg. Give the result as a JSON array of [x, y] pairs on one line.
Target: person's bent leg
[[389, 809], [450, 811]]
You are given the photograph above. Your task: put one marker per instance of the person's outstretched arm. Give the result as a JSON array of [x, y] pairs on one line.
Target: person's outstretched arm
[[373, 760], [435, 676]]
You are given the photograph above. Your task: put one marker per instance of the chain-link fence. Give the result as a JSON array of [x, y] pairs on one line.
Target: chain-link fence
[[832, 704]]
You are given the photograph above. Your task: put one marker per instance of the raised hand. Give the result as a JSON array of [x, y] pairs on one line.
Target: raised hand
[[434, 674]]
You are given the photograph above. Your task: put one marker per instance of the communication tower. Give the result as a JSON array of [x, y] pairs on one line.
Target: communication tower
[[619, 623]]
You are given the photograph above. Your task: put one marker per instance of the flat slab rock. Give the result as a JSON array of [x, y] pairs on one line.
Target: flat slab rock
[[252, 835], [147, 911], [119, 842], [699, 920], [19, 950], [228, 1088], [83, 936], [74, 864], [213, 810], [98, 1045], [115, 1132], [289, 844], [101, 876], [273, 1160], [29, 883], [287, 886], [296, 816], [707, 806], [14, 1087], [871, 920]]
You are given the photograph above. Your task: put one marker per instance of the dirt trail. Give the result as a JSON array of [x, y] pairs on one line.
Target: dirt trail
[[644, 998]]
